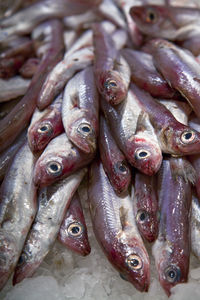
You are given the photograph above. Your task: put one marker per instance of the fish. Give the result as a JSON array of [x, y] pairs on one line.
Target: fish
[[80, 110], [171, 250], [73, 230], [8, 154], [19, 117], [173, 136], [145, 75], [146, 206], [19, 88], [142, 151], [53, 203], [29, 68], [115, 229], [195, 225], [111, 71], [18, 207], [113, 160], [180, 69], [24, 21], [45, 125], [59, 160], [163, 21]]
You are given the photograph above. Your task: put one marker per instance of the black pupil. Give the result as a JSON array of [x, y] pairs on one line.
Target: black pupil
[[75, 230], [44, 128], [86, 129], [142, 154], [134, 262], [122, 168], [188, 135], [171, 274], [54, 167], [142, 216], [151, 16]]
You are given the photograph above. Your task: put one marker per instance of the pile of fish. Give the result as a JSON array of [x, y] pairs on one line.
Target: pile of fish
[[108, 91]]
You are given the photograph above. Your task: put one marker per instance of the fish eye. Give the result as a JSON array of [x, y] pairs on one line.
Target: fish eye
[[75, 229], [142, 153], [110, 83], [121, 166], [188, 136], [141, 216], [45, 128], [22, 259], [172, 274], [134, 262], [84, 128], [151, 16], [54, 168]]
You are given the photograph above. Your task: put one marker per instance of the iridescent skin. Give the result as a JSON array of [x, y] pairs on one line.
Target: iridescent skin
[[146, 206], [172, 248], [80, 110], [163, 21], [173, 136], [59, 160], [53, 203], [73, 230], [195, 226], [115, 229], [48, 126], [20, 116], [18, 207], [113, 160], [7, 155], [145, 75], [29, 68], [123, 122], [180, 69], [112, 72]]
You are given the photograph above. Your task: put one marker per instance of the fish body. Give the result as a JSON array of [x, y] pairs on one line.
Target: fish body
[[143, 152], [146, 206], [59, 160], [173, 136], [111, 71], [45, 126], [17, 210], [163, 21], [113, 160], [195, 226], [145, 75], [80, 110], [73, 230], [172, 248], [115, 229], [53, 203], [180, 69]]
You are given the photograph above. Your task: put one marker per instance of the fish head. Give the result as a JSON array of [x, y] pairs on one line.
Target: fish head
[[48, 170], [74, 236], [172, 270], [132, 262], [121, 176], [147, 155], [39, 135], [112, 87], [26, 265], [181, 139], [153, 20], [82, 132], [147, 224]]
